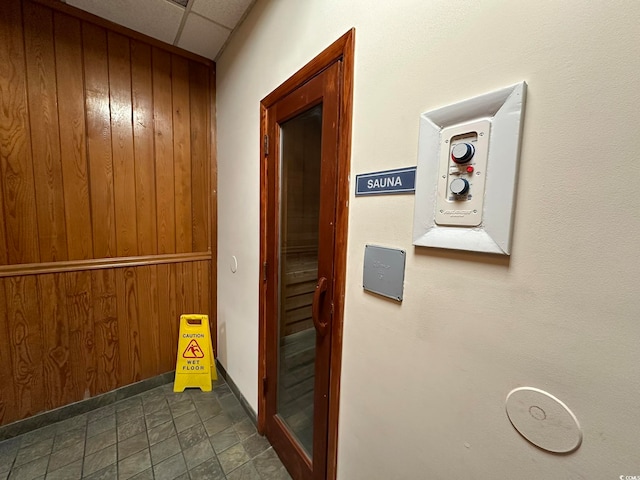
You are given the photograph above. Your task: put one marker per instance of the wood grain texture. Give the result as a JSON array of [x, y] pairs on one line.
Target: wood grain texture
[[20, 216], [8, 409], [55, 339], [200, 131], [181, 152], [167, 316], [96, 75], [105, 321], [147, 289], [175, 306], [45, 135], [73, 150], [25, 328], [142, 97], [163, 128], [81, 334], [128, 327], [122, 144]]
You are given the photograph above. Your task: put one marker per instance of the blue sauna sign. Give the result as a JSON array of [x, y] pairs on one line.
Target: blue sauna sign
[[402, 180]]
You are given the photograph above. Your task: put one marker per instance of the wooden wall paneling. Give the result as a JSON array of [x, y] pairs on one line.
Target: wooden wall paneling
[[200, 287], [8, 410], [185, 290], [79, 303], [96, 76], [163, 129], [199, 109], [25, 329], [167, 317], [175, 305], [122, 144], [142, 97], [153, 322], [182, 152], [55, 339], [73, 151], [45, 136], [148, 323], [105, 322], [128, 328], [20, 216]]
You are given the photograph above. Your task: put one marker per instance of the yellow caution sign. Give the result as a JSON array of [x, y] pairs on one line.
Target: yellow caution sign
[[195, 366]]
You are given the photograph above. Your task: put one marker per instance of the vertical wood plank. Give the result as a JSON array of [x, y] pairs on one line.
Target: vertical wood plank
[[55, 339], [200, 287], [45, 136], [122, 144], [174, 307], [167, 318], [96, 76], [105, 318], [128, 328], [147, 295], [199, 108], [20, 216], [26, 344], [8, 407], [185, 288], [81, 336], [182, 152], [163, 128], [68, 51], [142, 92]]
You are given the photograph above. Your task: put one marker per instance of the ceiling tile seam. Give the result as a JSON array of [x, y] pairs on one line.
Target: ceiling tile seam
[[213, 21], [235, 29], [187, 10]]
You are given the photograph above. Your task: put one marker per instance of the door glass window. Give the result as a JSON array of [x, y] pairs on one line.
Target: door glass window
[[300, 161]]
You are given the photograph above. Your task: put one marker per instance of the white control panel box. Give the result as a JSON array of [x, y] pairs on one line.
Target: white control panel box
[[463, 170], [468, 157]]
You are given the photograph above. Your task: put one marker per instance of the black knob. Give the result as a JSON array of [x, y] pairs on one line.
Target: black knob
[[462, 152], [459, 186]]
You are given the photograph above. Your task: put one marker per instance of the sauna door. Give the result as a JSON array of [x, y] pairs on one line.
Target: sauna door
[[301, 153]]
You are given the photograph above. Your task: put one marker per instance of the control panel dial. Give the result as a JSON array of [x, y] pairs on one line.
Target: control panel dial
[[459, 186], [462, 152]]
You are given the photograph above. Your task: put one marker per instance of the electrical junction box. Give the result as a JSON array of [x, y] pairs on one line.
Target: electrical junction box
[[468, 158]]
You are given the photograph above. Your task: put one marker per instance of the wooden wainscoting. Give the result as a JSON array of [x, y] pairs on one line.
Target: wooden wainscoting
[[70, 336]]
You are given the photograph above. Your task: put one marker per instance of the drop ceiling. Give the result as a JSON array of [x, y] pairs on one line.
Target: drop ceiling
[[199, 26]]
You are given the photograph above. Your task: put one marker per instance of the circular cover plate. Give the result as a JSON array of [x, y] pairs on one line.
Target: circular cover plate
[[543, 420]]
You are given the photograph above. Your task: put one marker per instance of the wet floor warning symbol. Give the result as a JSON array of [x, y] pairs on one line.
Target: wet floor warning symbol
[[193, 350], [195, 366]]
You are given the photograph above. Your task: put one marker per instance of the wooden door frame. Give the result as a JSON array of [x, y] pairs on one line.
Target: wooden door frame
[[341, 50]]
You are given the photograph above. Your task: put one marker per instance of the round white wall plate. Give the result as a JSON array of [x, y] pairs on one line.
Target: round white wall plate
[[544, 420]]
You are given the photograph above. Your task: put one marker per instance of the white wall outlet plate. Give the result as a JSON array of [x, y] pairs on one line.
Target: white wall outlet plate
[[464, 208]]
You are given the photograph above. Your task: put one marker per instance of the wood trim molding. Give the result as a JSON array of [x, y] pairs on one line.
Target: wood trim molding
[[100, 263], [342, 50], [342, 223], [91, 18]]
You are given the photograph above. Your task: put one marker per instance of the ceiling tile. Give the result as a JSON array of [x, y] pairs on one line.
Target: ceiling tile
[[162, 24], [224, 12], [202, 36]]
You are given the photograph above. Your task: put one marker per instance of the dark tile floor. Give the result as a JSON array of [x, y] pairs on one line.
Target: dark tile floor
[[155, 435]]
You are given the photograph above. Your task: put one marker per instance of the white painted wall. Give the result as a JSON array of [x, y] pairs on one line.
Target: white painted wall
[[424, 382]]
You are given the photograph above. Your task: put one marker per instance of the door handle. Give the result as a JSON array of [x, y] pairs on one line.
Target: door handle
[[321, 288]]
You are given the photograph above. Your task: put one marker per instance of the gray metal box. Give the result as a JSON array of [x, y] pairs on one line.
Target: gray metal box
[[384, 271]]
